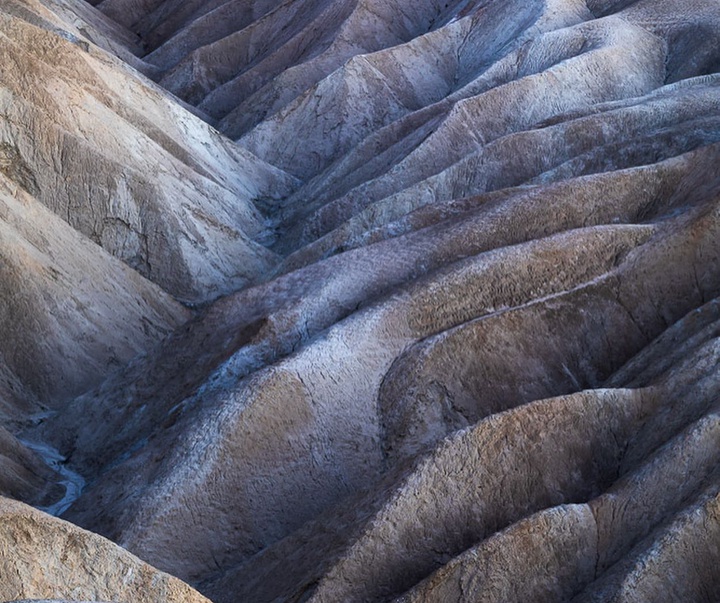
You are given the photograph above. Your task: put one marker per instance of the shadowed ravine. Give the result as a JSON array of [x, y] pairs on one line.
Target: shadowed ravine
[[360, 300]]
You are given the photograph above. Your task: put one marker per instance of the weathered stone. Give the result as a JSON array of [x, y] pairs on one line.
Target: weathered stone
[[454, 325], [44, 557]]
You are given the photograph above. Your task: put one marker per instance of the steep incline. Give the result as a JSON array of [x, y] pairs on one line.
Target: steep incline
[[441, 324], [125, 165], [88, 568]]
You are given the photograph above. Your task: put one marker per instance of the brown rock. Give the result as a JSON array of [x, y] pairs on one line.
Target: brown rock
[[455, 289], [43, 557]]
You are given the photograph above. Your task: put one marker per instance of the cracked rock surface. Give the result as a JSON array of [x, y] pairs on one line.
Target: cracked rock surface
[[360, 300]]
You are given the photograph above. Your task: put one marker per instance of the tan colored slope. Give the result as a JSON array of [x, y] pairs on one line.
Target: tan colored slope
[[71, 313], [42, 557], [506, 566], [583, 541], [74, 19], [167, 194]]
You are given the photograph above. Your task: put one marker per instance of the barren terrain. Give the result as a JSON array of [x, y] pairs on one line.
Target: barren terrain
[[360, 300]]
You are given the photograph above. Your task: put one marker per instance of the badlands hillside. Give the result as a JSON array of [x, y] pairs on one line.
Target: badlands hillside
[[360, 301]]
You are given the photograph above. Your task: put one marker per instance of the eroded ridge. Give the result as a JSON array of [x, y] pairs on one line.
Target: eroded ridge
[[360, 301]]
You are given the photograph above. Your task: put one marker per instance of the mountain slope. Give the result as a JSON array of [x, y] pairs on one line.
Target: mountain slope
[[441, 323]]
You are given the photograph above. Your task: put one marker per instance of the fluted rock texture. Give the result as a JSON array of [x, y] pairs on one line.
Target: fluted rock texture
[[360, 300]]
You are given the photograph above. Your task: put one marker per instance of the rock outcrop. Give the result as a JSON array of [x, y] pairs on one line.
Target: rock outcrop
[[127, 166], [43, 557], [360, 301]]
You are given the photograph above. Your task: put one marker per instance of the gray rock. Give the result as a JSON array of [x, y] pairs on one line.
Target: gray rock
[[451, 318]]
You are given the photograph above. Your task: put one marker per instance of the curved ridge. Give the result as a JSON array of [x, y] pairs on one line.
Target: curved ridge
[[441, 323]]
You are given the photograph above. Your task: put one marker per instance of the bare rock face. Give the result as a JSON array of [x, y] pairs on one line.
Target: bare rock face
[[72, 313], [43, 557], [129, 168], [319, 301]]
